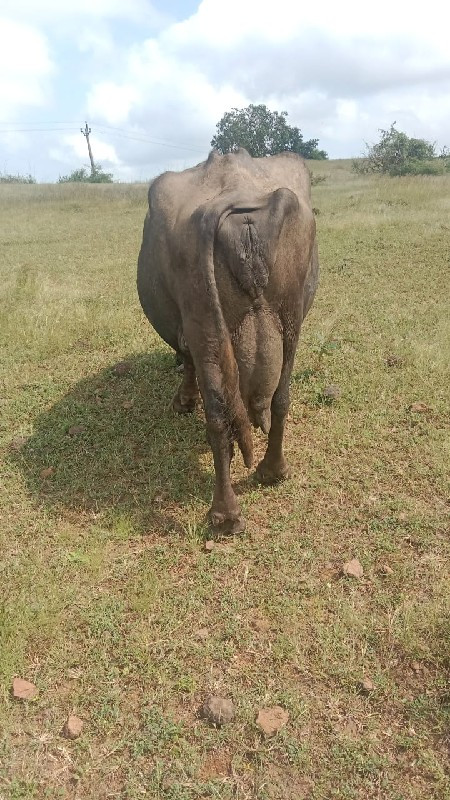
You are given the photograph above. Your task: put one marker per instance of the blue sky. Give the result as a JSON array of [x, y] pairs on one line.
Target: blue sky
[[153, 78]]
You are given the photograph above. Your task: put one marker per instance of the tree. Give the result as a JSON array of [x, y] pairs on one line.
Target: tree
[[83, 176], [398, 154], [263, 133]]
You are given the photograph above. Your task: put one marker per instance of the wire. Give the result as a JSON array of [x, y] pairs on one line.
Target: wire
[[35, 130], [121, 133], [127, 131], [31, 125], [152, 141]]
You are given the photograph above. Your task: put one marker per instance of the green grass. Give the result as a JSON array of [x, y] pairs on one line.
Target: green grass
[[106, 590]]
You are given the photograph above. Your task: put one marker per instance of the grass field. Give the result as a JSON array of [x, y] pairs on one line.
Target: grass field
[[109, 602]]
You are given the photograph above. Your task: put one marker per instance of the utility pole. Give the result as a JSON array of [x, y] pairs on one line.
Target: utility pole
[[86, 131]]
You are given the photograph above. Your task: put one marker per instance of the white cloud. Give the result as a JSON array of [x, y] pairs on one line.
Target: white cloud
[[163, 99], [25, 67], [112, 102], [103, 152], [138, 10], [340, 76], [280, 48], [266, 22], [97, 44], [340, 72]]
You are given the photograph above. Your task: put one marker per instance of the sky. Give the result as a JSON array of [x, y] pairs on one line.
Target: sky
[[153, 78]]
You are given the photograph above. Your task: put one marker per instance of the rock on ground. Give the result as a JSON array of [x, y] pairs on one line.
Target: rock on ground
[[217, 710], [353, 569], [271, 720], [23, 690], [73, 727]]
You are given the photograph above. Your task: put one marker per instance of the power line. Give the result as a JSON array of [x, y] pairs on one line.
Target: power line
[[34, 130], [133, 133], [121, 133], [33, 125], [151, 141]]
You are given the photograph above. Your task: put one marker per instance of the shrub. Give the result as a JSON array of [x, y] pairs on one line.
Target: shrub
[[316, 179], [398, 154], [436, 167], [7, 178], [83, 176]]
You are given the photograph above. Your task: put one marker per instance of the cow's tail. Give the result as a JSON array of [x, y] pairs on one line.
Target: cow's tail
[[247, 234], [233, 408], [237, 416]]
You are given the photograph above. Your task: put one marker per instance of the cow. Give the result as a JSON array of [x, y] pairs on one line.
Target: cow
[[227, 270]]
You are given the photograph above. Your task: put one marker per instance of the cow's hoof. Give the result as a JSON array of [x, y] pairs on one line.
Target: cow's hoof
[[184, 405], [226, 526], [268, 475]]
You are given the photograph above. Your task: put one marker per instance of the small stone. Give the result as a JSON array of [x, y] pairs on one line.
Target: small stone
[[74, 430], [271, 720], [217, 710], [419, 408], [260, 623], [127, 404], [353, 569], [331, 392], [394, 361], [73, 727], [351, 729], [17, 443], [47, 472], [209, 545], [367, 686], [74, 673], [23, 690], [122, 368]]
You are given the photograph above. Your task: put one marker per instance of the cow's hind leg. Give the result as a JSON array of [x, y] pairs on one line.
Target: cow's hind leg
[[225, 514], [218, 378], [274, 468], [187, 395]]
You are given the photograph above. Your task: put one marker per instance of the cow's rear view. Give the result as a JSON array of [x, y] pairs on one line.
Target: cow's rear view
[[227, 270]]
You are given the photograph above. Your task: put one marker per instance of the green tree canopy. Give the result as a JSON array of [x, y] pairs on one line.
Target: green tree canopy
[[263, 133]]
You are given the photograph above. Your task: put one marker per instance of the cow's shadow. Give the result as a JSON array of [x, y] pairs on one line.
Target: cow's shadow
[[113, 444]]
